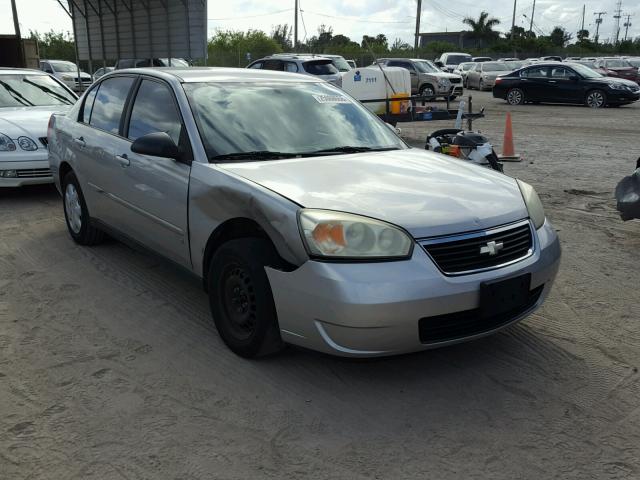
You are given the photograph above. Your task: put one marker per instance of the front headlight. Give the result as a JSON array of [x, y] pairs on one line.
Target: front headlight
[[618, 86], [342, 236], [443, 82], [27, 144], [533, 203], [6, 144]]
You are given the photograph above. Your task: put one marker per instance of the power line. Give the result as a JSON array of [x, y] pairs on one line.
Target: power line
[[353, 19], [250, 16]]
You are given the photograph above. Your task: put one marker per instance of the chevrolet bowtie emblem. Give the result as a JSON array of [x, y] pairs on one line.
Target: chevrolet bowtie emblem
[[492, 248]]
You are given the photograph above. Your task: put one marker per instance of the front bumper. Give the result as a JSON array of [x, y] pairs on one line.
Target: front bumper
[[450, 90], [374, 309], [32, 169], [622, 96]]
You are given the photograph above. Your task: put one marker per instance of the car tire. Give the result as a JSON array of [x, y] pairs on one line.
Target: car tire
[[241, 299], [76, 213], [515, 96], [428, 92], [595, 99], [481, 85]]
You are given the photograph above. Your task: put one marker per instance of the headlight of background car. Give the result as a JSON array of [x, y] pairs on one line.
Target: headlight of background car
[[6, 144], [533, 203], [27, 144], [443, 82], [340, 235], [67, 77]]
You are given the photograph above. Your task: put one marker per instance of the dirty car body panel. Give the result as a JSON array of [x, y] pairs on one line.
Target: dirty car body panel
[[349, 306]]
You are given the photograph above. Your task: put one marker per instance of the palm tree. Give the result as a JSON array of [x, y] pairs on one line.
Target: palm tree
[[483, 27]]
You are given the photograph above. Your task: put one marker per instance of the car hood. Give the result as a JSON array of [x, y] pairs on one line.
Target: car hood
[[28, 121], [442, 75], [426, 193]]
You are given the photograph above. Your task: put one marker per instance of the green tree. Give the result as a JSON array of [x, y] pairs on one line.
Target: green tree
[[229, 48], [281, 34], [482, 28], [559, 37], [582, 35], [55, 45]]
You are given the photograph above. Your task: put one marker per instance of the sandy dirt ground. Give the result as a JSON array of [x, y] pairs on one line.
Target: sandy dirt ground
[[110, 367]]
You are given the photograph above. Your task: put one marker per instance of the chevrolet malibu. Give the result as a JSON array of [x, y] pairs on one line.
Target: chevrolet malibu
[[27, 100], [308, 220]]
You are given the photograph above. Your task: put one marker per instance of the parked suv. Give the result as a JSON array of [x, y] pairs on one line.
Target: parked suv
[[317, 66], [448, 61], [338, 60], [427, 79], [67, 73]]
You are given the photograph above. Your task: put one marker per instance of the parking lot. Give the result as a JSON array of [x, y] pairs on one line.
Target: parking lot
[[110, 367]]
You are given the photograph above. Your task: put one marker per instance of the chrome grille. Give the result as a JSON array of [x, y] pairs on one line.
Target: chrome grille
[[34, 172], [477, 251], [455, 80]]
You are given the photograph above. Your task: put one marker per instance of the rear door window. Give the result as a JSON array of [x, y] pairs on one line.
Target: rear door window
[[535, 72], [290, 67], [320, 67], [274, 65], [109, 103], [154, 110]]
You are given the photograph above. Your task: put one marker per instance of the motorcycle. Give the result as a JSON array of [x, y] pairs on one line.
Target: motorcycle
[[470, 146]]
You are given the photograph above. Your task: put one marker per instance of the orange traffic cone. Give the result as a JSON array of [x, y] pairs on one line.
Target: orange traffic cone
[[508, 151]]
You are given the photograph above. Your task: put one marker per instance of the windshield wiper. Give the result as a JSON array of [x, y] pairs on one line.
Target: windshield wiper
[[257, 155], [351, 149], [49, 91], [16, 94]]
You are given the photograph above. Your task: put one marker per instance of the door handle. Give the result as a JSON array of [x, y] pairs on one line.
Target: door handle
[[80, 141], [552, 81], [123, 160]]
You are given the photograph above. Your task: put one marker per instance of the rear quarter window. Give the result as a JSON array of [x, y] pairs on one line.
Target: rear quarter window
[[320, 67]]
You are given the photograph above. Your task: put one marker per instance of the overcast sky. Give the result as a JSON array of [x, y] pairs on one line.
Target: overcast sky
[[354, 18]]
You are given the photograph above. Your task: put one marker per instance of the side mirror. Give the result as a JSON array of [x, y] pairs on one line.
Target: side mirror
[[157, 144], [411, 72], [48, 70], [439, 64]]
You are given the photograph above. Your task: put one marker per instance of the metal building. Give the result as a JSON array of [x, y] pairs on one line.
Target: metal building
[[124, 29]]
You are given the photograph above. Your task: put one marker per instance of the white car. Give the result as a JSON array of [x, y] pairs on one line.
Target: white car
[[27, 100], [67, 73]]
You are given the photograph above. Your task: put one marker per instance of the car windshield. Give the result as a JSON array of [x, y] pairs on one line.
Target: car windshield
[[494, 67], [32, 91], [64, 66], [456, 59], [341, 64], [237, 118], [617, 64], [320, 67], [634, 62], [586, 72], [425, 67], [175, 62]]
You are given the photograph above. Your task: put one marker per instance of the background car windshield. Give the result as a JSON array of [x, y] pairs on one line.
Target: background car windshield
[[586, 72], [341, 64], [456, 59], [635, 62], [425, 67], [494, 67], [64, 67], [32, 91], [290, 118], [320, 67], [617, 64]]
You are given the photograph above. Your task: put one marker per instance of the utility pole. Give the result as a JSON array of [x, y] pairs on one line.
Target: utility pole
[[295, 27], [533, 11], [418, 15], [627, 24], [16, 27], [598, 22], [583, 8], [513, 22], [617, 16]]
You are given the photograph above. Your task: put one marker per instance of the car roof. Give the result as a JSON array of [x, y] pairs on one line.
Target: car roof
[[219, 74], [298, 56], [13, 71]]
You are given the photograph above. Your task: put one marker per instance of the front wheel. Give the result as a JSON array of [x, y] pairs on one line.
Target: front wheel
[[481, 86], [515, 96], [241, 299], [595, 99], [76, 213], [428, 92]]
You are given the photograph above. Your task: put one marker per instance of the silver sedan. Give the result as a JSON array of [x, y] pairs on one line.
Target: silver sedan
[[483, 75], [308, 220]]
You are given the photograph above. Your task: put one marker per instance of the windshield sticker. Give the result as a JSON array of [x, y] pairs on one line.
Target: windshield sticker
[[331, 99]]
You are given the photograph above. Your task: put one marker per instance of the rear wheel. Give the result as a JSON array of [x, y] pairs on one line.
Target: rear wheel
[[76, 213], [515, 96], [240, 297], [595, 99]]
